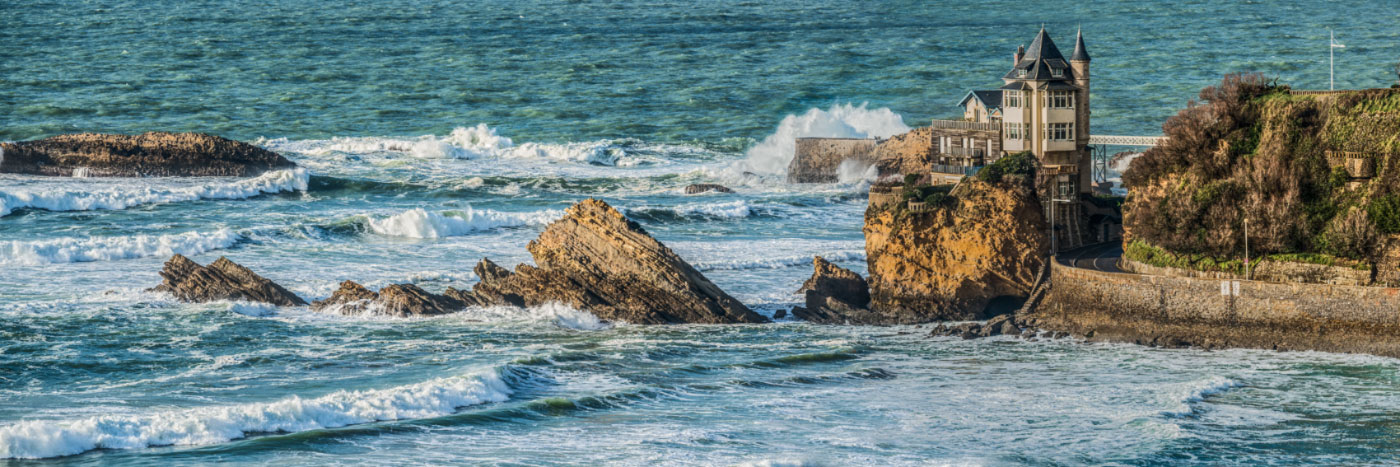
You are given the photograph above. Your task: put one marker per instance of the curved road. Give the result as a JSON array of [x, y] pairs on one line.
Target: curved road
[[1097, 257]]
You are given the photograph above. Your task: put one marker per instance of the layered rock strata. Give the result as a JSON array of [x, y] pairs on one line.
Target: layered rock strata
[[394, 300], [220, 280], [835, 295], [154, 154], [595, 259], [705, 188]]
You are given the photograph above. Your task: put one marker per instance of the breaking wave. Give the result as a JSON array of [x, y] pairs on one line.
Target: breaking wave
[[1197, 391], [480, 141], [420, 223], [557, 314], [36, 439], [777, 263], [730, 210], [77, 250], [772, 155], [121, 197]]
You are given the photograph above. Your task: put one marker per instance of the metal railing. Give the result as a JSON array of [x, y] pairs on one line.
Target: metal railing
[[965, 125]]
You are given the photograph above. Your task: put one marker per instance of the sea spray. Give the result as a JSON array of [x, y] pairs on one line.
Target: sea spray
[[421, 223], [80, 197], [76, 250], [775, 152], [35, 439]]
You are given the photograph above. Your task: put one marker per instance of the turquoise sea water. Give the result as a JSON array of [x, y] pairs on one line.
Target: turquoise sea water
[[433, 134]]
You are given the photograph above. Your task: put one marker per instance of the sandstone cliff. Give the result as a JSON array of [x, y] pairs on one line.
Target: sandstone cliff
[[951, 262], [221, 280], [836, 295], [910, 152], [597, 260], [154, 154]]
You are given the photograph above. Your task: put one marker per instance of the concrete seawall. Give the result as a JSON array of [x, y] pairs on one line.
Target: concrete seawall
[[816, 160], [1178, 311]]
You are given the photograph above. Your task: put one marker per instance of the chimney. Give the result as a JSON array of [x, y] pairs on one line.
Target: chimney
[[1020, 52]]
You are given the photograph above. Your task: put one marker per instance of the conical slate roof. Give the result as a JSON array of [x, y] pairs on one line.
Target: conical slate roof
[[1080, 53], [1042, 61]]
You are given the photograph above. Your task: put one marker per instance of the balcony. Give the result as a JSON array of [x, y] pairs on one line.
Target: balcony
[[956, 169], [974, 153], [966, 125]]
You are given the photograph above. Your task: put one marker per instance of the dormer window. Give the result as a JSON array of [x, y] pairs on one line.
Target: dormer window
[[1057, 72], [1021, 73]]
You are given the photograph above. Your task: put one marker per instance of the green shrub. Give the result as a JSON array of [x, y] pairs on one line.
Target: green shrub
[[1021, 163], [1385, 213]]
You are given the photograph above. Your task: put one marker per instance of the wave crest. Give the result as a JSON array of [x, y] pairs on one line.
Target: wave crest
[[772, 155], [211, 425], [76, 250], [420, 223], [122, 197]]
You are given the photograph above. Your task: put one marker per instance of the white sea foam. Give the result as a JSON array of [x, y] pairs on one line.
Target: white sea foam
[[420, 223], [777, 263], [77, 250], [36, 439], [70, 197], [730, 210], [462, 143], [557, 314], [1196, 391], [775, 152]]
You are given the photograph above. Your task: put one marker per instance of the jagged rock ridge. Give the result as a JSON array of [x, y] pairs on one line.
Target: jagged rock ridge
[[220, 280]]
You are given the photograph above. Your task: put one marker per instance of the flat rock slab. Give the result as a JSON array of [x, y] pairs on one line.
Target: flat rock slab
[[154, 154]]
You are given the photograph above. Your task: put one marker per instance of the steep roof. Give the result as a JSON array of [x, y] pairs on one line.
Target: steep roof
[[990, 99], [1080, 53], [1040, 61]]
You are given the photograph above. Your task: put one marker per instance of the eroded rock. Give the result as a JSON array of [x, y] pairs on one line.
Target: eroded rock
[[835, 295], [950, 261], [220, 280], [595, 259], [153, 154], [706, 187], [393, 300]]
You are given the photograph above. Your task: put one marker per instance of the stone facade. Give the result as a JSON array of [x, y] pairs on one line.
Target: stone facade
[[1178, 311]]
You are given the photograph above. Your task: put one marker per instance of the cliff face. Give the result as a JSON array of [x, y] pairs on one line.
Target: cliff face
[[910, 152], [155, 154], [595, 259], [950, 262]]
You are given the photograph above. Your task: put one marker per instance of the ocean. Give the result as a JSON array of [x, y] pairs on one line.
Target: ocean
[[432, 134]]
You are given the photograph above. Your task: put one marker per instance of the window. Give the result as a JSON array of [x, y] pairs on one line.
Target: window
[[1060, 99], [1059, 131], [1014, 130], [1021, 73], [1012, 99], [1057, 72]]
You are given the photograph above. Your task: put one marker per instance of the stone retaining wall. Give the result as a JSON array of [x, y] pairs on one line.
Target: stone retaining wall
[[1266, 271], [1179, 311], [816, 159]]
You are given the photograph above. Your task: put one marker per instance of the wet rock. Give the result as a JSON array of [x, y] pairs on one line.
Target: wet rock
[[220, 280], [706, 187], [780, 314], [154, 154], [394, 300], [595, 259]]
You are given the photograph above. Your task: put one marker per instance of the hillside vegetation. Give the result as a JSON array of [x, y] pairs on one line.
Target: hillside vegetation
[[1252, 149]]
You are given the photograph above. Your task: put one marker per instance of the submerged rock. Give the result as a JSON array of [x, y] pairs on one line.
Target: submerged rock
[[153, 154], [1000, 325], [706, 187], [595, 259], [221, 280], [394, 300]]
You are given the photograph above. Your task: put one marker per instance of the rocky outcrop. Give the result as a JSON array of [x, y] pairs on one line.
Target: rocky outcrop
[[819, 160], [835, 295], [597, 260], [1001, 325], [221, 280], [972, 256], [910, 152], [705, 188], [394, 300], [155, 154]]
